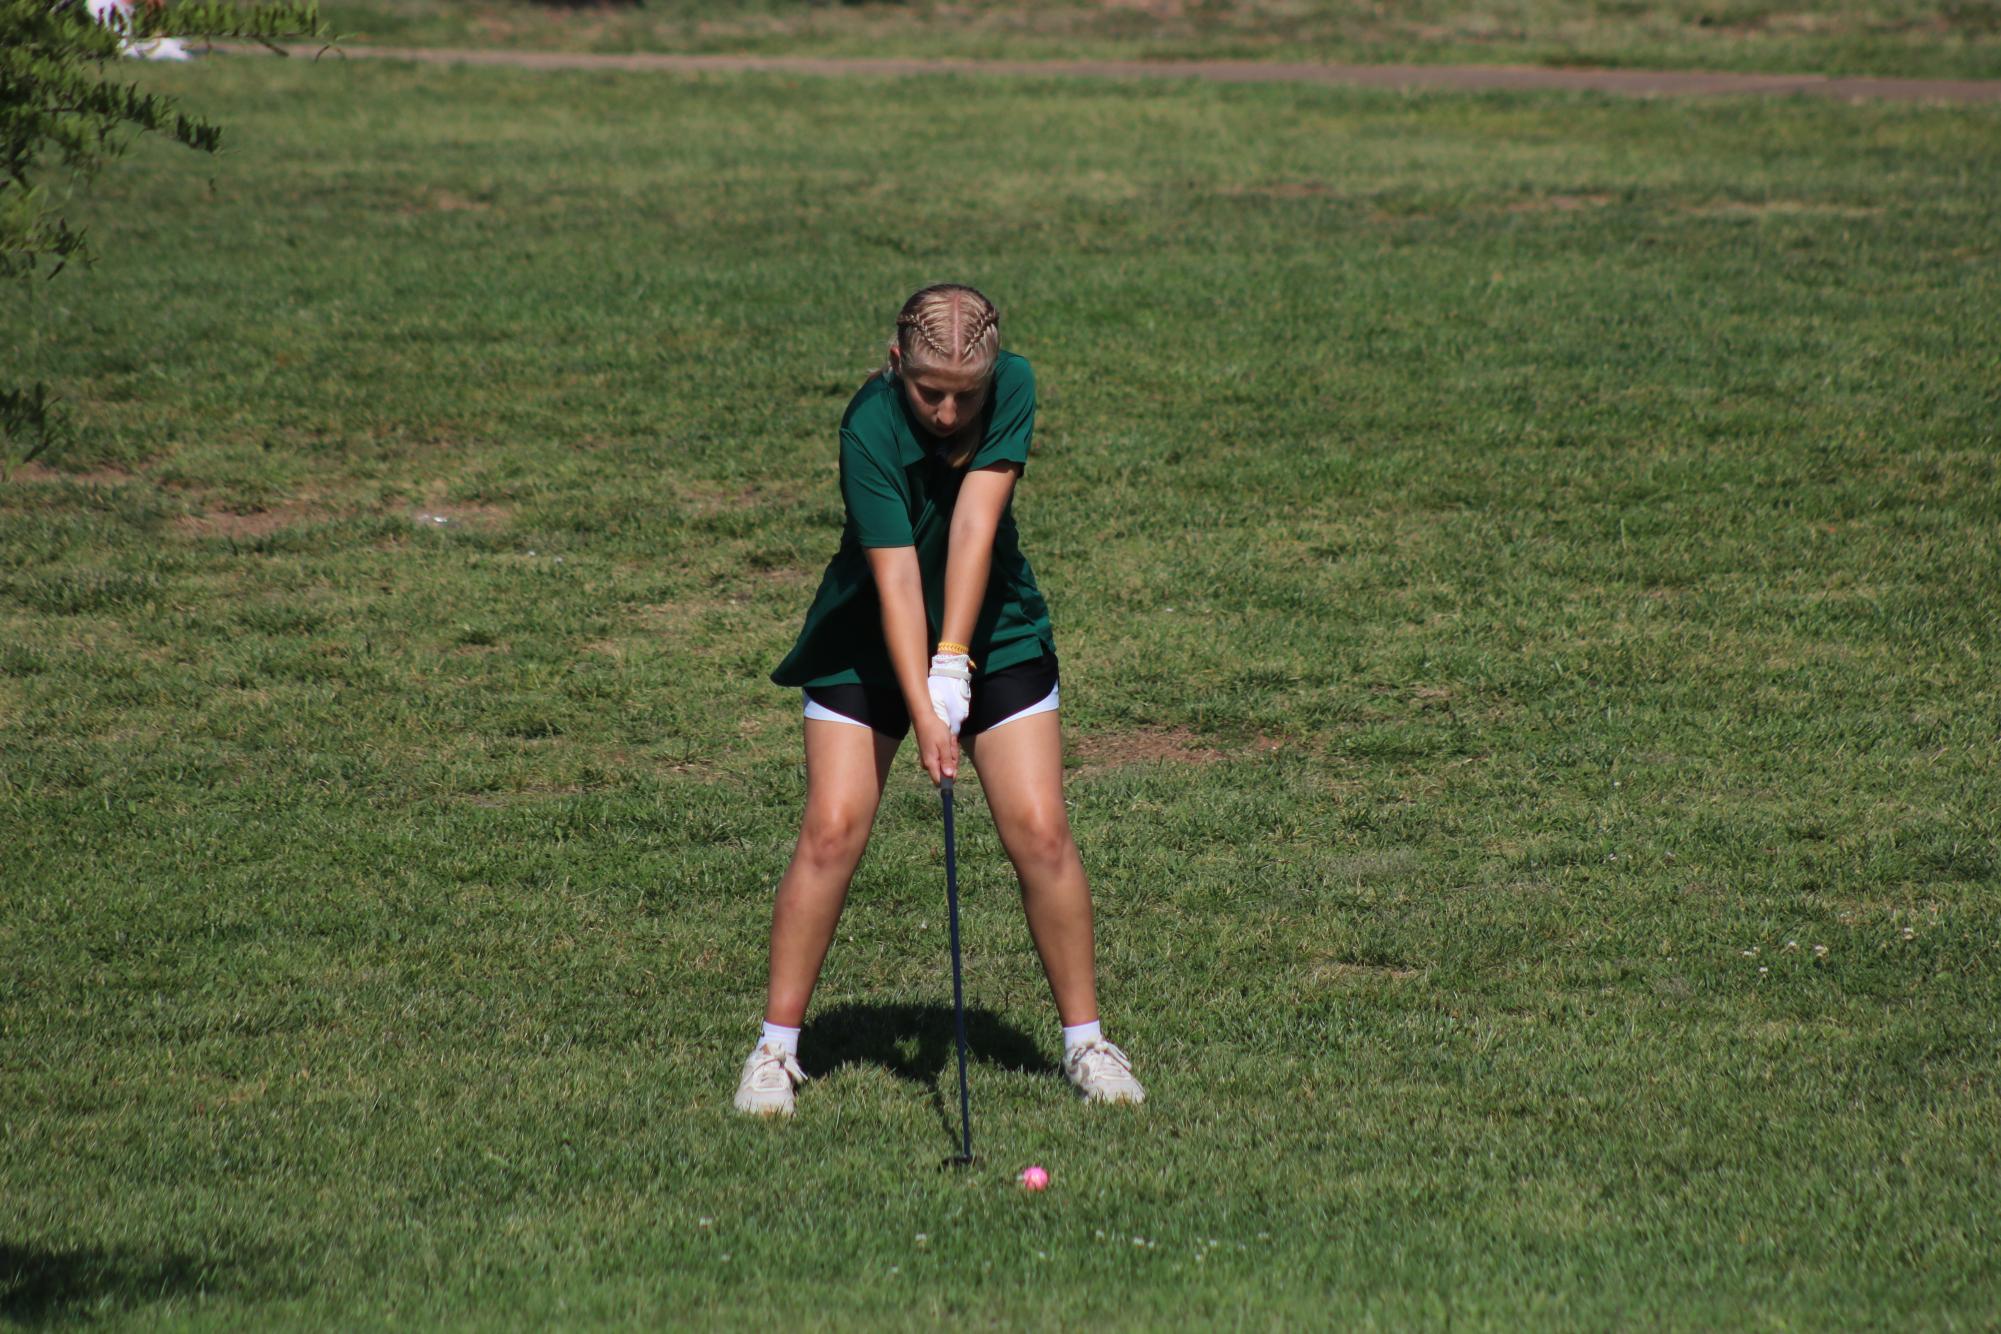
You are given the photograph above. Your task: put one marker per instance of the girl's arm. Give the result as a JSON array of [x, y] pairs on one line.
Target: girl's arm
[[983, 497], [905, 632]]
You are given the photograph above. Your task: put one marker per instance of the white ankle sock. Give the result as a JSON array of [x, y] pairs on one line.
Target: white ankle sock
[[779, 1038], [1076, 1035]]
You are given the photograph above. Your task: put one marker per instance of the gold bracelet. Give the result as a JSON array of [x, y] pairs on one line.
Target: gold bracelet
[[944, 647]]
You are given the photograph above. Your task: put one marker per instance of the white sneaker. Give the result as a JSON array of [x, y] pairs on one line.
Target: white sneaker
[[1102, 1073], [769, 1076]]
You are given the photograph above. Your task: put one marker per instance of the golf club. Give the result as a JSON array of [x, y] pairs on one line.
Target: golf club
[[958, 987]]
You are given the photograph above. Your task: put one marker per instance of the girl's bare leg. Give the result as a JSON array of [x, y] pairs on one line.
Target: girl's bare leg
[[846, 767], [1021, 768]]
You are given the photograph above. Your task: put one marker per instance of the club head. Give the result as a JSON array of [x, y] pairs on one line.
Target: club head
[[959, 1161]]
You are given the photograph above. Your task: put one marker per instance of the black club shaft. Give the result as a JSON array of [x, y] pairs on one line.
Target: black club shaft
[[958, 985]]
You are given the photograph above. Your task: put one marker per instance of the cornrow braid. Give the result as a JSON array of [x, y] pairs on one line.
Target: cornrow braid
[[985, 318], [948, 324], [925, 332]]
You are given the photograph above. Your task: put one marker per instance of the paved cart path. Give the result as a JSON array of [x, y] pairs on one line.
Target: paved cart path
[[1622, 82]]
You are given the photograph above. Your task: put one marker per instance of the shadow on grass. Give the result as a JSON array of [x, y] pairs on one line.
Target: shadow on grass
[[48, 1286], [915, 1042]]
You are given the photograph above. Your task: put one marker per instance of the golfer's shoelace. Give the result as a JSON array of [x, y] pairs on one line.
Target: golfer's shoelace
[[1095, 1058], [776, 1068]]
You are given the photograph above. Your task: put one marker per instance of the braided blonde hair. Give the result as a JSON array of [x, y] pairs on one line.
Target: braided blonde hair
[[947, 324]]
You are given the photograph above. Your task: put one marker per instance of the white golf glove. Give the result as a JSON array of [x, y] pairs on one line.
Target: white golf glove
[[951, 685]]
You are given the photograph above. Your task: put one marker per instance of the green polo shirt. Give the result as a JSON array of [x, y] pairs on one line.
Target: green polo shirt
[[899, 495]]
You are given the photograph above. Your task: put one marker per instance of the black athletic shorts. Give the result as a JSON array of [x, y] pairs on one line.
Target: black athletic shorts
[[997, 697]]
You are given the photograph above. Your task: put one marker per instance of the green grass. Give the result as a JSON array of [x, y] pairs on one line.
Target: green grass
[[1940, 38], [1525, 575]]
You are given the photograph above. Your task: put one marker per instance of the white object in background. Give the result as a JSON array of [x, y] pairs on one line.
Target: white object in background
[[117, 15], [158, 48]]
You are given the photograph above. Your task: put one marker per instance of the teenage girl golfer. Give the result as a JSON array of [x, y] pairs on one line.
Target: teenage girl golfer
[[928, 619]]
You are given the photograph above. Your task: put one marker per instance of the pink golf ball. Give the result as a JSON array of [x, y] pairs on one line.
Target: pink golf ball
[[1035, 1177]]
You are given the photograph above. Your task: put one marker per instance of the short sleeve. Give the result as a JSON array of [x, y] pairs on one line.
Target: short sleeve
[[1013, 424], [875, 495]]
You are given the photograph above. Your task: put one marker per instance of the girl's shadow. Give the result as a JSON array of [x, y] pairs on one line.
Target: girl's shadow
[[916, 1042]]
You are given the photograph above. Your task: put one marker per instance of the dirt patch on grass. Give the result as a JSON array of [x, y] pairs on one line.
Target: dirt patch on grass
[[1761, 208], [463, 516], [445, 201], [1090, 752], [1159, 9], [242, 525], [438, 512], [1147, 745], [1559, 203], [39, 474]]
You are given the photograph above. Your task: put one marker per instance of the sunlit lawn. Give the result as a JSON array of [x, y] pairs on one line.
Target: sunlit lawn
[[1880, 37], [1524, 570]]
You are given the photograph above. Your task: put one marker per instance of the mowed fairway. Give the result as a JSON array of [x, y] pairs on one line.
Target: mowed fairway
[[1526, 575], [1878, 37]]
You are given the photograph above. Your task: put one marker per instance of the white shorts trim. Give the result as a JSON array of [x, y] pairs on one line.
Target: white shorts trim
[[1049, 703], [819, 712]]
